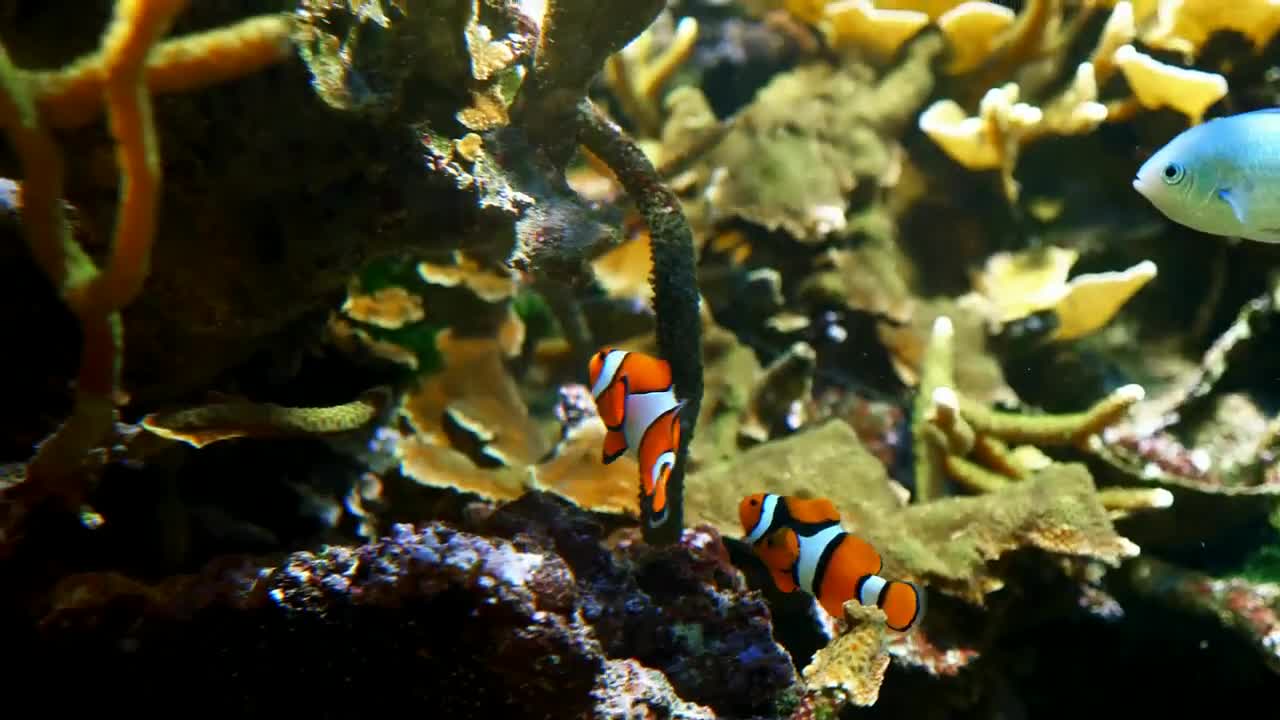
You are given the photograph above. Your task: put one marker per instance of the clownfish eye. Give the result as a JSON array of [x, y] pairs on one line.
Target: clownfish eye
[[755, 501], [1173, 173]]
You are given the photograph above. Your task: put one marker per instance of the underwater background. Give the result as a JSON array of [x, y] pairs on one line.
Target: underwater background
[[441, 355]]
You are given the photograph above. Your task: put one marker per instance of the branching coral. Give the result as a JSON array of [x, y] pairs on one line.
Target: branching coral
[[970, 442], [1012, 114], [1015, 285], [638, 74], [131, 65]]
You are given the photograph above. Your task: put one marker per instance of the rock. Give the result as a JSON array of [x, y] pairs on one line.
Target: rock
[[528, 614]]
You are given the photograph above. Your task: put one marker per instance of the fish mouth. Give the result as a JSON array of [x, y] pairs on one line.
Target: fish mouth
[[1137, 184]]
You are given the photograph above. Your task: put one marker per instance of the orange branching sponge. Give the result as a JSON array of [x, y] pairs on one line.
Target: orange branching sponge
[[120, 78], [72, 96]]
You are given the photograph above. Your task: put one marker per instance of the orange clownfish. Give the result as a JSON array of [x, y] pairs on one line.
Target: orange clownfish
[[804, 547], [637, 402]]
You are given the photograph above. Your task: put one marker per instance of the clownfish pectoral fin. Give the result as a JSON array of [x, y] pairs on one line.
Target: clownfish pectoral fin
[[784, 580], [902, 603], [615, 445], [612, 404]]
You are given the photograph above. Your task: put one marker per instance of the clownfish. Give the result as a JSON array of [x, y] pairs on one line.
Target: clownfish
[[804, 547], [636, 400]]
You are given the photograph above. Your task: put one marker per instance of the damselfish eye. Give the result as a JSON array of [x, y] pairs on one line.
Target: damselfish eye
[[1173, 173]]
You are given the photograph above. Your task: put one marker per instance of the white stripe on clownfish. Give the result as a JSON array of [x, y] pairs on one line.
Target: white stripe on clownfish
[[642, 410], [612, 361], [765, 523], [869, 592], [811, 549]]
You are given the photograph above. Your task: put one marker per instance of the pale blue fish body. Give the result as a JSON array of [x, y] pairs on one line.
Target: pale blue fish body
[[1220, 177]]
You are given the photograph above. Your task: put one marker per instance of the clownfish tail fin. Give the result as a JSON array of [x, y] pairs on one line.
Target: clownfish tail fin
[[903, 604]]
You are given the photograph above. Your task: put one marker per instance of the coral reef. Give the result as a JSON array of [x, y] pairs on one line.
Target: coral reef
[[1012, 114], [308, 290], [537, 615]]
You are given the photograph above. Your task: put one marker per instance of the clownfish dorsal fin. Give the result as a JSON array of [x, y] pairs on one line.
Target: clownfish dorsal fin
[[819, 512]]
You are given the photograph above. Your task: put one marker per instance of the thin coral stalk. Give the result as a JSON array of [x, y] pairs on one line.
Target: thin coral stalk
[[675, 286]]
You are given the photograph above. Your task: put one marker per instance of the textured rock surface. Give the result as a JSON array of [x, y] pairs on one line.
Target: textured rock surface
[[533, 624]]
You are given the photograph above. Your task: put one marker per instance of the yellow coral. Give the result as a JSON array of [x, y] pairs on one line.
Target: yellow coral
[[1157, 85], [877, 32], [933, 8], [1013, 286], [1183, 26], [985, 41], [639, 73], [973, 30], [992, 139], [1090, 301], [1019, 284]]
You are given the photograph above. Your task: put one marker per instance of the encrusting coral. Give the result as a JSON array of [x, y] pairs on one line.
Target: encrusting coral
[[119, 79], [971, 443]]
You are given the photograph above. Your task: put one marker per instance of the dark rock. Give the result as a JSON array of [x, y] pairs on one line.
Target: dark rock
[[531, 622], [683, 609], [449, 621]]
